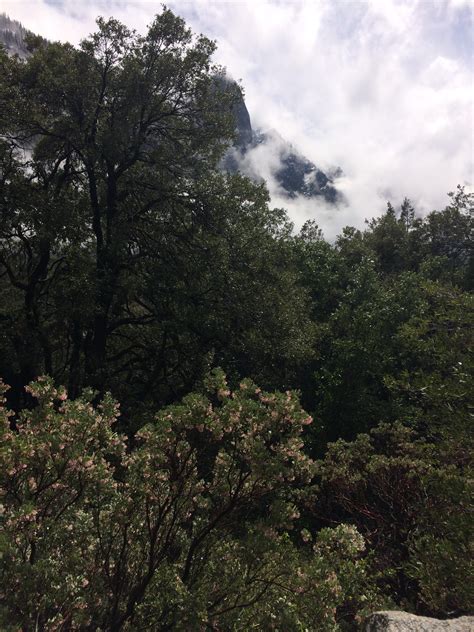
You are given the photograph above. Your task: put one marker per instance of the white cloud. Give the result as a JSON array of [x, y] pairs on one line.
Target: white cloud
[[382, 88]]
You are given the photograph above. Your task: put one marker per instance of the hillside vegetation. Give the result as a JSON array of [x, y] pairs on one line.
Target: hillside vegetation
[[208, 420]]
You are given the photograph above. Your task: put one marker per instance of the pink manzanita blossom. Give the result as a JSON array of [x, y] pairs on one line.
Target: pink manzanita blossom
[[99, 517]]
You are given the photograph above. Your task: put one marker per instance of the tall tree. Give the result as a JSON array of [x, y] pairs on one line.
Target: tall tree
[[117, 124], [118, 239]]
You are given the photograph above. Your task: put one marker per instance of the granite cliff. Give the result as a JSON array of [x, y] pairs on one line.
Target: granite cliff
[[259, 154]]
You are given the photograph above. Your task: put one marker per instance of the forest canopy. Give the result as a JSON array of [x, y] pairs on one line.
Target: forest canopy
[[211, 421]]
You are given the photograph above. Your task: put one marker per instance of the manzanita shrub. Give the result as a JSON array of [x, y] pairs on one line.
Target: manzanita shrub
[[191, 528], [412, 502], [57, 483]]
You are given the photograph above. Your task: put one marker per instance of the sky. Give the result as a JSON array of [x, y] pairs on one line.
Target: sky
[[382, 89]]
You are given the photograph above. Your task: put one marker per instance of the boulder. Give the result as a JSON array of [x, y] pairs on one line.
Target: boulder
[[394, 621]]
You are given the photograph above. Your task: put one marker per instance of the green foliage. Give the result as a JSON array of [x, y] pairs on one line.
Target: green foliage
[[441, 548], [189, 529], [412, 505], [129, 263], [126, 258], [433, 385], [55, 479], [393, 321]]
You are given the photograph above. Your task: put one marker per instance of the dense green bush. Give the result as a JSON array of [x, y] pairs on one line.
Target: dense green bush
[[411, 503], [192, 529]]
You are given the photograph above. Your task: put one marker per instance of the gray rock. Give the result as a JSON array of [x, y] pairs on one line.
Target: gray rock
[[394, 621], [295, 174]]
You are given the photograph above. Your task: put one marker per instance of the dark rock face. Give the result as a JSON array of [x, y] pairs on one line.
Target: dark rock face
[[298, 175], [394, 621], [295, 174], [243, 126]]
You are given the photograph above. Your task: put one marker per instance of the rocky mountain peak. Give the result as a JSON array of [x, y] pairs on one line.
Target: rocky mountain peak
[[259, 153]]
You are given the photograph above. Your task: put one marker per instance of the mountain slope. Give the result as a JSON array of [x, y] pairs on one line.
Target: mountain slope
[[261, 155], [13, 36]]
